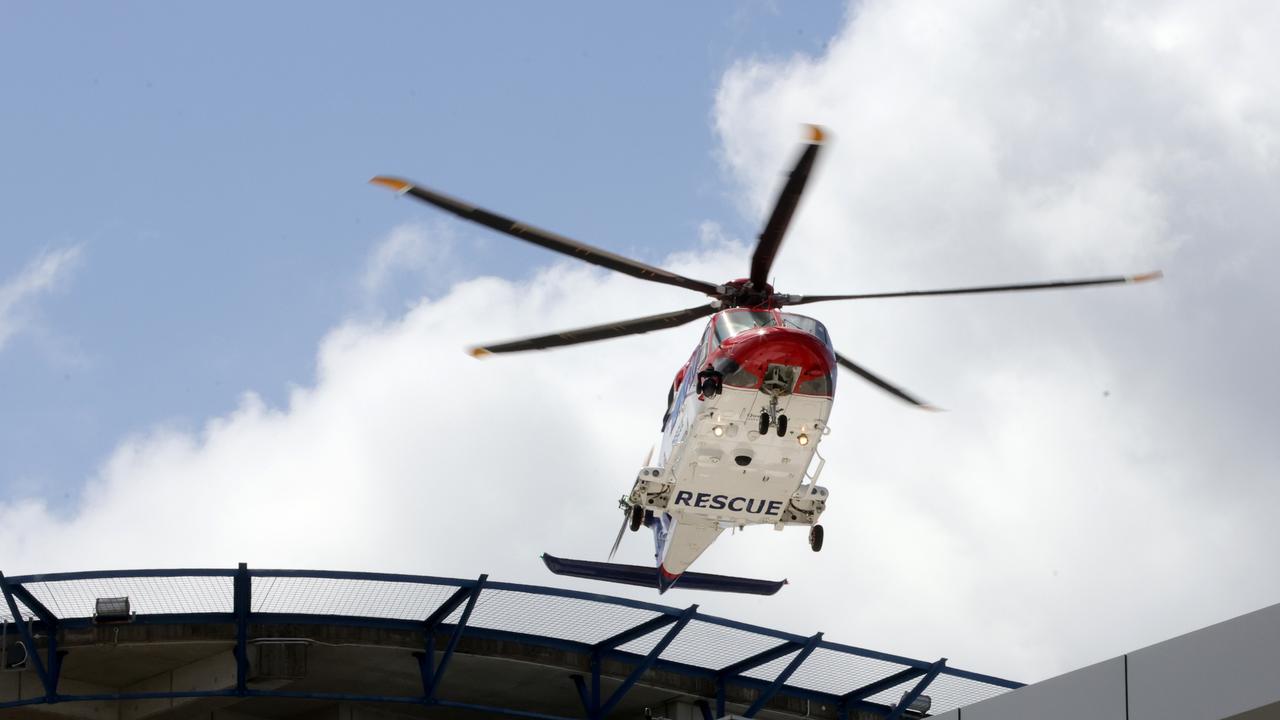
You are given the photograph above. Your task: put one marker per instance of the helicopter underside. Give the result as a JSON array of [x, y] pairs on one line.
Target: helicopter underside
[[721, 471]]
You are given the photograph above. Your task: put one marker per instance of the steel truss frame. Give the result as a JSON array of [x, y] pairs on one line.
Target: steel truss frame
[[43, 624]]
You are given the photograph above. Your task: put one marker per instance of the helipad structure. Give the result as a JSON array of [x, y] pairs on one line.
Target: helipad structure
[[236, 643]]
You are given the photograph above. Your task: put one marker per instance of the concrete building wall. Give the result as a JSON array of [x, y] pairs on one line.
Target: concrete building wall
[[1225, 670]]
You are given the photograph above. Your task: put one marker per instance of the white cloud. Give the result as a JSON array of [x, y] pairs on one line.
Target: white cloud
[[1104, 478], [412, 249], [1105, 470], [39, 276]]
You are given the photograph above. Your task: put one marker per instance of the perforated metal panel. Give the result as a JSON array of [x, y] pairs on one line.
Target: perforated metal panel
[[540, 615]]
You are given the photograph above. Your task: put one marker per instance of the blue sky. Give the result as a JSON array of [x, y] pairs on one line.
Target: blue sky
[[210, 166]]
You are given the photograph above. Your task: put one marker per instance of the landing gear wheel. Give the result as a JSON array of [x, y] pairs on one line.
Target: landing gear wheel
[[782, 426], [637, 517], [710, 388], [764, 423], [815, 538]]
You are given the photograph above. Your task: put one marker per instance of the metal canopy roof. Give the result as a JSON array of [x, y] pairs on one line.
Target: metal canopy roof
[[645, 636]]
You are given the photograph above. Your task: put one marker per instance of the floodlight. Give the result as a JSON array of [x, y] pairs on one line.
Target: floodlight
[[920, 705], [112, 610]]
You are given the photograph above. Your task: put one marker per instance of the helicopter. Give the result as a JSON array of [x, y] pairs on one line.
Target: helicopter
[[747, 411]]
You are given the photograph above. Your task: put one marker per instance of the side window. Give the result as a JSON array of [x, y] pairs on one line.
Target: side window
[[721, 323], [704, 348]]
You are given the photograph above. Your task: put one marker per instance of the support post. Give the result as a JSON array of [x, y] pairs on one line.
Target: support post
[[583, 694], [53, 658], [242, 599], [427, 658], [648, 661], [28, 641], [595, 684], [636, 632], [916, 691], [760, 658], [728, 672], [881, 685], [810, 645], [454, 638], [427, 661]]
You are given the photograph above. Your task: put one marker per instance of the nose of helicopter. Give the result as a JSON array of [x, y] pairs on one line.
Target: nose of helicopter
[[756, 351]]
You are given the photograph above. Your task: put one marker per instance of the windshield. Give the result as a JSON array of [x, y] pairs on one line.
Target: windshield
[[807, 324], [735, 321]]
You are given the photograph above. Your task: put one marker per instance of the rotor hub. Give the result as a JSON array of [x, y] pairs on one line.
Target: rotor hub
[[744, 293]]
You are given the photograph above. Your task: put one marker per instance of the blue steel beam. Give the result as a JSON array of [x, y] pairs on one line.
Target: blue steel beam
[[979, 677], [356, 575], [760, 658], [242, 607], [584, 694], [427, 658], [447, 607], [916, 691], [454, 638], [117, 574], [783, 676], [19, 703], [28, 642], [514, 587], [37, 607], [499, 711], [465, 586], [647, 663], [426, 661], [881, 685], [637, 631], [595, 683], [53, 659]]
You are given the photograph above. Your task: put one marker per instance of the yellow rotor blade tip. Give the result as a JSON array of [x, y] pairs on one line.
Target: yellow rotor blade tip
[[816, 134], [394, 183], [478, 352], [1144, 277]]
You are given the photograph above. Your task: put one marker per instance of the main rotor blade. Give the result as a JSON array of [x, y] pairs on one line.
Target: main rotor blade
[[881, 383], [1051, 285], [626, 520], [600, 332], [545, 238], [783, 209]]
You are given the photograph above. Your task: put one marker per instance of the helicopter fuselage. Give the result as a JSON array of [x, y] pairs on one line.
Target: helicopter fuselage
[[746, 415]]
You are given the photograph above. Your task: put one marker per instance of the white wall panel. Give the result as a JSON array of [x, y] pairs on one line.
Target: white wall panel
[[1091, 693], [1216, 672]]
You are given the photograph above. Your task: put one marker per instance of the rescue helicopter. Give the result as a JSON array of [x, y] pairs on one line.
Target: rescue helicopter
[[747, 411]]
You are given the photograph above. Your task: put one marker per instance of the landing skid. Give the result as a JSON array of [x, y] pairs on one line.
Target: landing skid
[[648, 577]]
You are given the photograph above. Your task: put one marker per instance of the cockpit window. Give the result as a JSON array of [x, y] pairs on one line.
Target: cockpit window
[[807, 324], [736, 321]]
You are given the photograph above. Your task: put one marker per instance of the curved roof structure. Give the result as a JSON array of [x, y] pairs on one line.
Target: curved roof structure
[[427, 645]]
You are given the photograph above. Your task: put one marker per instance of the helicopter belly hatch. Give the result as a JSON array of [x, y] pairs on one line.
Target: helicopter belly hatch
[[726, 471]]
